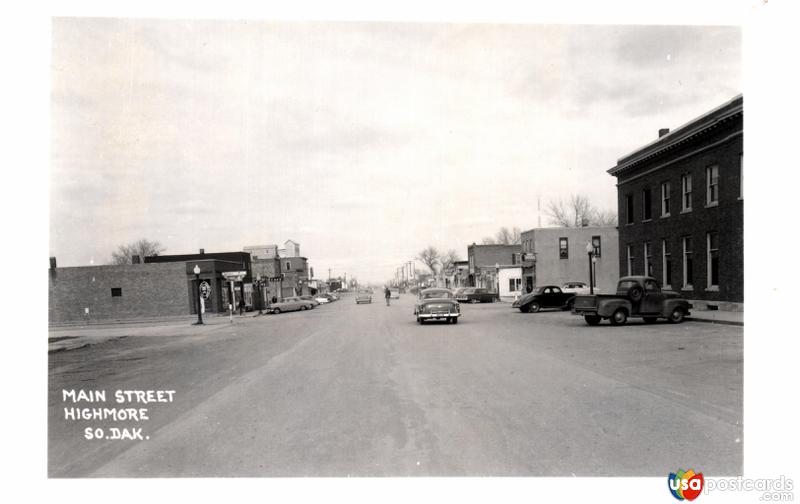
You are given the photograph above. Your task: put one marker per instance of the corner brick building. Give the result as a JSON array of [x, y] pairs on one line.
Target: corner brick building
[[681, 208]]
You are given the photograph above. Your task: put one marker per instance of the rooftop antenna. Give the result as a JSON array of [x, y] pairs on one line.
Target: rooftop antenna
[[539, 210]]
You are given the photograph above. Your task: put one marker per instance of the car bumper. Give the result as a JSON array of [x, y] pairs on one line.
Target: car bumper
[[438, 315]]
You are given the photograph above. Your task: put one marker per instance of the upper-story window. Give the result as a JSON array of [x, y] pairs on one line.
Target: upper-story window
[[288, 265], [712, 260], [629, 208], [596, 244], [563, 248], [712, 185], [665, 189], [686, 192], [647, 205]]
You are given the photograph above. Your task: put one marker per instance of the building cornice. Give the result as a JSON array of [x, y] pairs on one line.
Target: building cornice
[[681, 136]]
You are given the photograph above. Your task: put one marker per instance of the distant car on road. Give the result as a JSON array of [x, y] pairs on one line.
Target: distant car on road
[[475, 295], [322, 299], [364, 296], [436, 303], [577, 288], [546, 296], [637, 296], [290, 304]]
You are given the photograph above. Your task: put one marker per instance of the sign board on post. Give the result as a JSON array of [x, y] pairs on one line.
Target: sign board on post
[[205, 290]]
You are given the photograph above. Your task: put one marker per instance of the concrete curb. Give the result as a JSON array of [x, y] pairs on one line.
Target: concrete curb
[[715, 321]]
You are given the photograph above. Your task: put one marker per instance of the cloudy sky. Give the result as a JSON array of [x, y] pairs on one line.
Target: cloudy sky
[[364, 142]]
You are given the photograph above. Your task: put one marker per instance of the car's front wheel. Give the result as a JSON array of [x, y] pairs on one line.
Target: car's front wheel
[[677, 316], [454, 320], [419, 320], [619, 317], [276, 311], [534, 307]]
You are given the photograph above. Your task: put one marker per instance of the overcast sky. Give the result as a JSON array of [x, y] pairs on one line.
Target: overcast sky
[[364, 142]]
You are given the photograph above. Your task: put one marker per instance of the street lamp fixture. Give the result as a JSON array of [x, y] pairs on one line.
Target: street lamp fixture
[[590, 252], [196, 271]]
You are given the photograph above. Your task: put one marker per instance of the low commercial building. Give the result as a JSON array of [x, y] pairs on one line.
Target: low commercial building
[[485, 262], [510, 282], [681, 208], [554, 256], [229, 292], [86, 294]]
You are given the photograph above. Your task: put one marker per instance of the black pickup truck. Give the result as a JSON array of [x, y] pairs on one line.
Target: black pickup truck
[[637, 296]]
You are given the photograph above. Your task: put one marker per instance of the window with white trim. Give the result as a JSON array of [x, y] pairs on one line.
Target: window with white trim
[[712, 185], [665, 189], [712, 260], [686, 192], [687, 262], [631, 259], [647, 205], [648, 259], [666, 264]]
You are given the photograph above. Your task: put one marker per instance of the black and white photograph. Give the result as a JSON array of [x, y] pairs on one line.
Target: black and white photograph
[[400, 249]]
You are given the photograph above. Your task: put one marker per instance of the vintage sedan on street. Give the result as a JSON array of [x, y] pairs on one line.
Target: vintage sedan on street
[[578, 288], [290, 304], [322, 299], [546, 296], [437, 304], [475, 295], [363, 296]]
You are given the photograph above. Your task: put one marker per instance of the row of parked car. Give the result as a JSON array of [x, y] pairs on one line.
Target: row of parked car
[[299, 303], [636, 296]]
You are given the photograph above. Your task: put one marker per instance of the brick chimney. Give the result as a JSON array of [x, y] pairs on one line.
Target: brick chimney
[[662, 132]]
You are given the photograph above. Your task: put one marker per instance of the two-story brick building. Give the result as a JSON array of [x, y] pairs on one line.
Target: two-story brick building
[[681, 208], [485, 261]]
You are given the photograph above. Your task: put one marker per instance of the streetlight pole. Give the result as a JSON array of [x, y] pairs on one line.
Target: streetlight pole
[[589, 252], [197, 281], [497, 275]]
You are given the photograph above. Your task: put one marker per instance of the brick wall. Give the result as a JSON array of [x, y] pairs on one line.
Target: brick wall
[[727, 218], [147, 290]]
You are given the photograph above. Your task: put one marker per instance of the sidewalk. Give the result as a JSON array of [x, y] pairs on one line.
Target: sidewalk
[[77, 336], [717, 317]]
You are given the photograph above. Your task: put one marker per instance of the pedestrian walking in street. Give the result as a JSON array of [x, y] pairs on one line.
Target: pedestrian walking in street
[[387, 294]]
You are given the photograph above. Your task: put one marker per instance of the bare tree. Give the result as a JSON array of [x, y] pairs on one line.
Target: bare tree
[[142, 248], [508, 237], [578, 211], [504, 237], [430, 257], [449, 259]]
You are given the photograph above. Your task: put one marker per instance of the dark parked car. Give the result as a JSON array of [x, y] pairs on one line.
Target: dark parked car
[[475, 295], [546, 296], [637, 296], [437, 304]]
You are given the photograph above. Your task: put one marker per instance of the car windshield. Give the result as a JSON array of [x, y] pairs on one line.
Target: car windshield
[[437, 294], [468, 291]]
